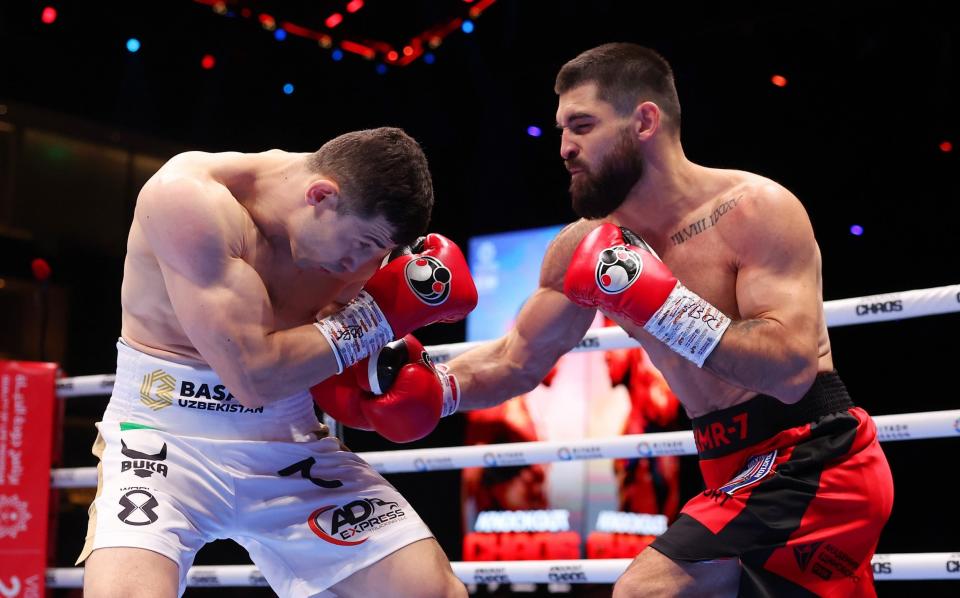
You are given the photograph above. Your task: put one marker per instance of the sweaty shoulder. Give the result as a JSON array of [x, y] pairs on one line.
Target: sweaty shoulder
[[185, 214], [556, 262], [763, 216]]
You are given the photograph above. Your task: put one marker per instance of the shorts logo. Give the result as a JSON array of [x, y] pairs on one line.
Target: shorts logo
[[162, 395], [138, 508], [758, 467], [803, 552], [13, 516], [617, 268], [429, 279], [360, 517], [144, 464], [303, 467]]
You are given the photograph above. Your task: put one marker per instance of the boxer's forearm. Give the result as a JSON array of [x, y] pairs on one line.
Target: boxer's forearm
[[489, 375], [766, 356], [275, 366]]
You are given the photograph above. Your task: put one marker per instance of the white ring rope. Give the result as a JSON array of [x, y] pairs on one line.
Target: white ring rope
[[859, 310], [840, 312], [904, 426], [905, 566]]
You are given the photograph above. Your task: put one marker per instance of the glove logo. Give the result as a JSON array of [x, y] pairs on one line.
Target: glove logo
[[429, 279], [617, 268]]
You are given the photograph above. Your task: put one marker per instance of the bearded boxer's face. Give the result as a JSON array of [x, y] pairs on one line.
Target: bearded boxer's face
[[598, 191], [599, 150]]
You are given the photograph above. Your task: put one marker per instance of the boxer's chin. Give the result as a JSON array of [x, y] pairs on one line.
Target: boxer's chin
[[598, 195], [589, 201]]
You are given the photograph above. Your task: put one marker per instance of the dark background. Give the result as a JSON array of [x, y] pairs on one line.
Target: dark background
[[856, 135]]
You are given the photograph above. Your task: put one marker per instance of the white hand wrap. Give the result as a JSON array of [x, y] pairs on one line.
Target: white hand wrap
[[356, 331], [451, 390], [688, 324]]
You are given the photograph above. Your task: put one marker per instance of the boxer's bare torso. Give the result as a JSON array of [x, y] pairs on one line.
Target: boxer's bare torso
[[706, 246], [297, 294]]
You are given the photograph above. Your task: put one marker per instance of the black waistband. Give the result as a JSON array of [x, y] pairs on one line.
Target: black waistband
[[729, 430]]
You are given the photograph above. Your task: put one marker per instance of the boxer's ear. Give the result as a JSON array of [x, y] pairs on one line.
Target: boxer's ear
[[320, 190], [646, 120]]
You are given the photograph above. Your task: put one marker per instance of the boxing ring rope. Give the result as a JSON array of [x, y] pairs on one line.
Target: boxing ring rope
[[840, 312], [892, 567], [904, 426], [857, 310]]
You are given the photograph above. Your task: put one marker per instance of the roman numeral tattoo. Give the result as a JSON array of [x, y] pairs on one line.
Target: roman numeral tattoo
[[692, 230]]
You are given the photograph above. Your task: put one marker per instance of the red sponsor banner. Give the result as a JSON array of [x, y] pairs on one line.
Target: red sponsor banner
[[521, 546], [604, 545], [27, 419]]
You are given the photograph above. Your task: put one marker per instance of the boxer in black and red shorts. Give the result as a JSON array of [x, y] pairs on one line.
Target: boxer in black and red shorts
[[717, 273], [797, 492]]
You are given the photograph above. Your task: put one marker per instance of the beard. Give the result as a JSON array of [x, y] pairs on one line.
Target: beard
[[597, 195]]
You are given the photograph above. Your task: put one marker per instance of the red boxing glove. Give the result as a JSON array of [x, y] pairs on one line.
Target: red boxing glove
[[420, 285], [398, 392], [409, 393], [615, 270], [340, 397]]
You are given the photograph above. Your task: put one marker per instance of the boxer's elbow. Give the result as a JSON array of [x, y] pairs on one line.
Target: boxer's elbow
[[526, 378], [799, 369], [258, 382]]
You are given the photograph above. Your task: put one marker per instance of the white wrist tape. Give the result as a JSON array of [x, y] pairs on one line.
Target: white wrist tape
[[451, 390], [356, 331], [688, 324]]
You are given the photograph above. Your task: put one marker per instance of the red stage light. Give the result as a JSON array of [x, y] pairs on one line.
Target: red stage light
[[49, 15], [392, 55], [41, 269], [946, 147], [333, 20], [779, 80], [208, 61], [354, 5]]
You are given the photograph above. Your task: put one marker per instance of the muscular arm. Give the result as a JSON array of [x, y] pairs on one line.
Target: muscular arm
[[196, 230], [773, 349], [548, 326]]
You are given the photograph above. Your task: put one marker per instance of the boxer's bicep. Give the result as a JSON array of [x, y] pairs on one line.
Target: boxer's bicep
[[219, 300], [777, 275], [549, 326]]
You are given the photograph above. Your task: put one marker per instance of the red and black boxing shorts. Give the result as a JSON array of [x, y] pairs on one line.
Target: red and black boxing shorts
[[799, 493]]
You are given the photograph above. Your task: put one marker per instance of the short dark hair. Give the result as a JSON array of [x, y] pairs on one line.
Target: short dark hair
[[382, 172], [625, 74]]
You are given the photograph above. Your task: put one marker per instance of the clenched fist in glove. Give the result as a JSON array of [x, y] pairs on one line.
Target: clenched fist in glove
[[614, 270], [398, 392], [426, 283]]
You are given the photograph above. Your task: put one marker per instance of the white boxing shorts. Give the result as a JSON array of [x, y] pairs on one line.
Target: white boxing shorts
[[183, 463]]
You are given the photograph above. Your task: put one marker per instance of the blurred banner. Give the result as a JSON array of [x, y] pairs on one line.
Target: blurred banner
[[581, 508], [27, 420]]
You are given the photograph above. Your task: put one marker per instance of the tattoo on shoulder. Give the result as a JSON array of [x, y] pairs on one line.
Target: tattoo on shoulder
[[692, 230]]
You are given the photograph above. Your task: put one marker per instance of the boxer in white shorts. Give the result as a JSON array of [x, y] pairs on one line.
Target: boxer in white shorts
[[309, 512], [250, 278]]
